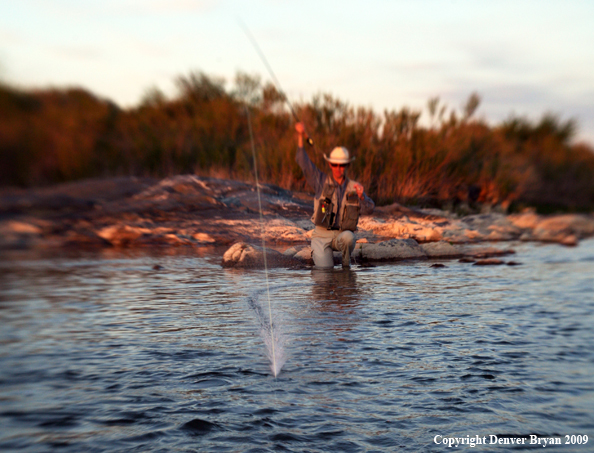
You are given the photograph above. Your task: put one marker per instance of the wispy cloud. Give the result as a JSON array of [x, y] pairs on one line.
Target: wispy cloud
[[76, 52], [150, 49], [141, 7], [11, 37], [135, 8]]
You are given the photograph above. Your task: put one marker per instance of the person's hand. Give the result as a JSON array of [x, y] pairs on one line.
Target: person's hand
[[300, 128], [360, 190]]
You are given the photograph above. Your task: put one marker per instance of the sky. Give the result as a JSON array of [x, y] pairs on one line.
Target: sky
[[523, 57]]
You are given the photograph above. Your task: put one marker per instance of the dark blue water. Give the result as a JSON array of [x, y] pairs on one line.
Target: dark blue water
[[101, 352]]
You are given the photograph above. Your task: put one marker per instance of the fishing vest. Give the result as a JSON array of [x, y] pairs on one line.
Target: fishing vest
[[326, 206]]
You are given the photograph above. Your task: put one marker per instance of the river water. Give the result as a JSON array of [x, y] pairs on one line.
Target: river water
[[155, 352]]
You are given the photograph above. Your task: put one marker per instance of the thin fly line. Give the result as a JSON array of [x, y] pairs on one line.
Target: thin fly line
[[262, 234], [277, 84]]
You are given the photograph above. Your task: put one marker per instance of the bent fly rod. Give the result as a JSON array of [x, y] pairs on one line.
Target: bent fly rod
[[277, 84]]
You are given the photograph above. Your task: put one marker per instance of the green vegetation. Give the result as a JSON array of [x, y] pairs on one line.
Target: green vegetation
[[53, 135]]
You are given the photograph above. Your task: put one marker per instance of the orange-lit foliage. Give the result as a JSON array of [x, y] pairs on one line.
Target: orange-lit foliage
[[51, 136], [57, 135]]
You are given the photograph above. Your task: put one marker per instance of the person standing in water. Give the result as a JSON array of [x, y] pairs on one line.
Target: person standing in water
[[338, 203]]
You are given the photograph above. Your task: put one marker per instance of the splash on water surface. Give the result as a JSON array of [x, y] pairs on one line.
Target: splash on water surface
[[270, 326]]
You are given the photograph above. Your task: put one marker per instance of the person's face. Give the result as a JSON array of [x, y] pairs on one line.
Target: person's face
[[338, 171]]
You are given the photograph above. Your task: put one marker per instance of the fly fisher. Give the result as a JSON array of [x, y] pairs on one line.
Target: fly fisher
[[338, 203]]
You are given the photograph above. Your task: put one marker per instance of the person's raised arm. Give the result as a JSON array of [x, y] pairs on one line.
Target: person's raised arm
[[300, 133], [313, 175]]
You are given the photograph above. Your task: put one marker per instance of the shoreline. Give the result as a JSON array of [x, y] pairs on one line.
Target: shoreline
[[190, 211]]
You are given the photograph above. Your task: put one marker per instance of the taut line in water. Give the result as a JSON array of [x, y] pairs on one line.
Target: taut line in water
[[262, 235]]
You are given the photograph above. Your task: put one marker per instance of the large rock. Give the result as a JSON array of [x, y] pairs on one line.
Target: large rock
[[244, 255], [195, 211], [525, 220], [401, 249], [441, 249], [564, 229], [301, 253], [122, 235], [283, 230], [482, 227], [19, 234], [392, 250], [421, 230]]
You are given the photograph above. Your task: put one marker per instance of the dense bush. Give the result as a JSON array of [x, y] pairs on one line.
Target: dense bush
[[51, 136]]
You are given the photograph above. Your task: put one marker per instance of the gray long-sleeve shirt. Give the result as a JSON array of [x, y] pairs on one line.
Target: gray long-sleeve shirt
[[316, 178]]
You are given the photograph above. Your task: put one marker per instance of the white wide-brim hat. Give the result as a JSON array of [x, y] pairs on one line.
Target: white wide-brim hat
[[339, 155]]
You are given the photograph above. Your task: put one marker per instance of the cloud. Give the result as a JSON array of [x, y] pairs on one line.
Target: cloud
[[111, 8], [164, 6], [149, 49], [10, 37], [500, 100], [76, 52]]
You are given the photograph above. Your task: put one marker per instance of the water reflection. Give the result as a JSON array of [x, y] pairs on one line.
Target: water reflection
[[335, 290]]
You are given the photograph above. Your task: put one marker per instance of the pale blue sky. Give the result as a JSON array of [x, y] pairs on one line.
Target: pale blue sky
[[522, 56]]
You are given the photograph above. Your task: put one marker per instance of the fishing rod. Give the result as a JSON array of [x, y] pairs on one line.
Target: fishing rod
[[277, 84]]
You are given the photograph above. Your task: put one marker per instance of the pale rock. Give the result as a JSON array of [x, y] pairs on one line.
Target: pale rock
[[291, 251], [203, 238], [83, 239], [458, 234], [275, 230], [578, 224], [525, 220], [300, 252], [374, 226], [403, 228], [422, 232], [244, 255], [562, 236], [19, 235], [305, 255], [392, 250], [17, 227], [570, 240], [283, 230], [441, 249], [174, 239], [564, 229], [122, 235], [497, 235], [490, 227]]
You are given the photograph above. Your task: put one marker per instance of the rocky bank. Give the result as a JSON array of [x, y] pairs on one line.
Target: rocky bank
[[191, 211]]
